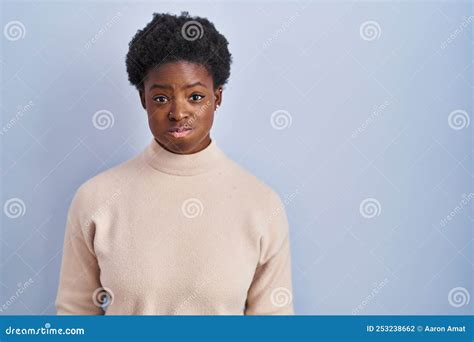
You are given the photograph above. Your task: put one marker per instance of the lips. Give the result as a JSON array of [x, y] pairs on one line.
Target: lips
[[180, 131]]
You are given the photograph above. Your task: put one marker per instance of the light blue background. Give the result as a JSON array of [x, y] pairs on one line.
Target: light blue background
[[309, 59]]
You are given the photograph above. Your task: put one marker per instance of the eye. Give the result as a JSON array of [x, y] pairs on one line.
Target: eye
[[196, 97], [160, 99]]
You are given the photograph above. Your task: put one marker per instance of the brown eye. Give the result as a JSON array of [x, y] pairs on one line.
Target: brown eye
[[196, 97], [160, 99]]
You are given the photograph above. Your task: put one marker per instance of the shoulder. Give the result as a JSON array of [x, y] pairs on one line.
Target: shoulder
[[242, 178], [107, 184], [267, 211], [259, 198], [260, 190]]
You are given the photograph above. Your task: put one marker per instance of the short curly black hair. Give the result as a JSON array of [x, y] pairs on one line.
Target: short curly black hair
[[171, 38]]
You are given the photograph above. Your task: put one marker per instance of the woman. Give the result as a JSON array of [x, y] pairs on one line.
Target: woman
[[180, 228]]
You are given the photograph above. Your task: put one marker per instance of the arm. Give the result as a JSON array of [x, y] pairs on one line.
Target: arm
[[271, 290], [79, 276]]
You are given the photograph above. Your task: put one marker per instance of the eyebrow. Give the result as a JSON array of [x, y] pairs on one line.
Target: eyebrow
[[167, 86]]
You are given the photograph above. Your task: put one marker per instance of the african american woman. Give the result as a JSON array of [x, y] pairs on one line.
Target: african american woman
[[180, 229]]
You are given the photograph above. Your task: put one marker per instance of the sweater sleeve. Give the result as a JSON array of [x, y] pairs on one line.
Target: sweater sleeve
[[80, 273], [270, 292]]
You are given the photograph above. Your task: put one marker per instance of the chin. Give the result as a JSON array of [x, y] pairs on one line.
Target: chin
[[180, 147]]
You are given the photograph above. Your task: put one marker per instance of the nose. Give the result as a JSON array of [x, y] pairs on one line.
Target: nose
[[178, 111]]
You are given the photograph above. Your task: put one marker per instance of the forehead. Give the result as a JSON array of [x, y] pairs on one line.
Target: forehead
[[179, 73]]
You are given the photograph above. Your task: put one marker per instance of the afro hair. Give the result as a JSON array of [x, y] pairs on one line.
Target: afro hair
[[171, 38]]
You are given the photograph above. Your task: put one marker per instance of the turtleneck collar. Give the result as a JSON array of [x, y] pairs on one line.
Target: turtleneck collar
[[183, 164]]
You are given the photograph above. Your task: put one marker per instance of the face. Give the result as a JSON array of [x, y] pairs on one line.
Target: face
[[180, 101]]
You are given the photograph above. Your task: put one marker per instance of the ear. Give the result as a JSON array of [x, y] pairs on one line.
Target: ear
[[217, 97], [141, 93]]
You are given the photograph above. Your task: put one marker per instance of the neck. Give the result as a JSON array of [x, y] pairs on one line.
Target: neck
[[199, 147], [206, 159]]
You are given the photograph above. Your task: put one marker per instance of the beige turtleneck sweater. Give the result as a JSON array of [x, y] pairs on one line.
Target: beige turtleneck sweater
[[171, 234]]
